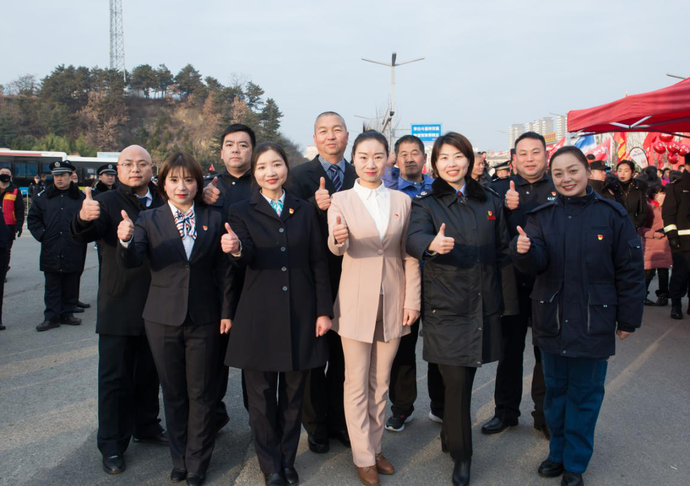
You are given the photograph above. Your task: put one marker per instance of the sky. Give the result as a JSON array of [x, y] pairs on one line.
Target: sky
[[487, 64]]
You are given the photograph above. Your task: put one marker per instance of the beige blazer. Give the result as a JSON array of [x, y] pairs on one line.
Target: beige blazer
[[371, 264]]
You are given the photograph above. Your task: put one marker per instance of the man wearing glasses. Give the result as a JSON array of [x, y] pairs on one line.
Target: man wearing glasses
[[127, 380]]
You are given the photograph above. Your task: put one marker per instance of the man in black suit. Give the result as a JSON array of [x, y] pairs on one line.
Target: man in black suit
[[233, 185], [315, 181], [127, 379]]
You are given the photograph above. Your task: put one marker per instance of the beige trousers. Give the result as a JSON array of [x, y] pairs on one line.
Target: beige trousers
[[367, 376]]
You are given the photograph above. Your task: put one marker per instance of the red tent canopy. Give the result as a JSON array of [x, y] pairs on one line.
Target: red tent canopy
[[665, 110]]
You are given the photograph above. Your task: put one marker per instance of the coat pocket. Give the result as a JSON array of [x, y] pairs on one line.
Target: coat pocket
[[602, 309], [546, 310]]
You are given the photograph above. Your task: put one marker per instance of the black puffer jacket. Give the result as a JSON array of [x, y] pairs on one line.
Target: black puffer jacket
[[634, 195], [467, 290], [49, 220], [589, 270]]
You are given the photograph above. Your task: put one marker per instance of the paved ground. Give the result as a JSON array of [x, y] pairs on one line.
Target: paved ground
[[48, 412]]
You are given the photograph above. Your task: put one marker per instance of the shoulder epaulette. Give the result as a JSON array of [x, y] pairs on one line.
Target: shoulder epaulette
[[543, 206]]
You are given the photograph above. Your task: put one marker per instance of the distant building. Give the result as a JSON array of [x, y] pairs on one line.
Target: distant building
[[552, 130]]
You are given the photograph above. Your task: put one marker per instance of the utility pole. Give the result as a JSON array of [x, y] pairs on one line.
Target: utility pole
[[389, 121], [117, 38]]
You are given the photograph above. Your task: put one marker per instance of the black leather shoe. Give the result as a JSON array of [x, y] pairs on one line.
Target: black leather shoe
[[649, 302], [342, 436], [661, 301], [78, 310], [221, 422], [114, 464], [70, 320], [318, 445], [47, 325], [572, 479], [178, 475], [461, 473], [676, 312], [160, 439], [544, 429], [275, 479], [550, 469], [290, 475], [2, 328], [195, 479], [83, 305], [497, 424]]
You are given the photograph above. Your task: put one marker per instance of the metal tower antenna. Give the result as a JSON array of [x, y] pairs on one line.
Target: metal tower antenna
[[117, 38]]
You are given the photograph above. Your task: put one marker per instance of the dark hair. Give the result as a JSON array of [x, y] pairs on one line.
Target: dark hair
[[238, 127], [591, 157], [512, 153], [264, 147], [649, 174], [533, 136], [408, 139], [458, 141], [572, 150], [188, 164], [653, 188], [626, 162], [369, 135], [675, 175]]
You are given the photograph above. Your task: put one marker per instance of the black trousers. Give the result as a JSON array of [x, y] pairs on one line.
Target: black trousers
[[61, 294], [403, 385], [4, 264], [324, 412], [186, 359], [457, 426], [663, 280], [127, 392], [508, 391], [680, 276], [275, 411]]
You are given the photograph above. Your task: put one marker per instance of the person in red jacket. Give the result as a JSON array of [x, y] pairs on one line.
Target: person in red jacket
[[12, 206]]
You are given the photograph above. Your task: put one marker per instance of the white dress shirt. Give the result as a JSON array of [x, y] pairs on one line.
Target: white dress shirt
[[187, 241], [148, 198], [281, 199], [378, 204]]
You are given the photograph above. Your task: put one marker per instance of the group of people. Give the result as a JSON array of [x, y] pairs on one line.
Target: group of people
[[314, 280]]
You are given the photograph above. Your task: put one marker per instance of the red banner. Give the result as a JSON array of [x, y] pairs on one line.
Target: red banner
[[621, 142]]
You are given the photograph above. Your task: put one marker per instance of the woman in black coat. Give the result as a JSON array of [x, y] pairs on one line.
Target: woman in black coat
[[459, 232], [589, 287], [284, 309], [633, 193], [187, 300]]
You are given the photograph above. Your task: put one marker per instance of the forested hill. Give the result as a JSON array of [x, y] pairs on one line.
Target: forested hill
[[83, 111]]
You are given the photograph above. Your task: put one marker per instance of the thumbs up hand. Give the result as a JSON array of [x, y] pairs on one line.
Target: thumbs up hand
[[90, 209], [229, 242], [322, 197], [340, 231], [211, 192], [512, 197], [125, 229], [523, 241], [442, 244]]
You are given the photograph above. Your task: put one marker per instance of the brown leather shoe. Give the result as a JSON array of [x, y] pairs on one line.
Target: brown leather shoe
[[368, 476], [383, 465]]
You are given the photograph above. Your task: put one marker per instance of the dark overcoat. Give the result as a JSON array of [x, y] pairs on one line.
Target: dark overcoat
[[285, 288], [467, 290], [49, 220]]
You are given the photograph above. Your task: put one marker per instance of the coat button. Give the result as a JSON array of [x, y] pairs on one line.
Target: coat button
[[570, 217], [380, 252], [187, 267], [282, 248], [281, 230], [285, 289], [564, 352], [233, 183], [284, 269], [566, 321], [479, 362], [479, 329]]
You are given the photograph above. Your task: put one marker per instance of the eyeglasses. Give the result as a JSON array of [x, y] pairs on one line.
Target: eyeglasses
[[140, 165]]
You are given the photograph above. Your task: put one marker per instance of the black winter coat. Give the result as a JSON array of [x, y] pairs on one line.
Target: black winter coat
[[589, 270], [122, 291], [49, 220], [285, 289], [634, 196], [467, 290]]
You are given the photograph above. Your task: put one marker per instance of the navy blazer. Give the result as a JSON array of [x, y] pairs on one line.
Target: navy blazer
[[198, 286]]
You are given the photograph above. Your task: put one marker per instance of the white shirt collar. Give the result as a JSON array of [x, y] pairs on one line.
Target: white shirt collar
[[281, 199], [366, 193], [175, 209]]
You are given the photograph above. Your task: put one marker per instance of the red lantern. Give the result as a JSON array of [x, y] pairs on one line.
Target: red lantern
[[672, 158], [684, 149], [659, 148], [673, 147], [665, 137]]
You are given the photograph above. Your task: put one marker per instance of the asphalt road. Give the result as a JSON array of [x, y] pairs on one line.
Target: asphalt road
[[48, 408]]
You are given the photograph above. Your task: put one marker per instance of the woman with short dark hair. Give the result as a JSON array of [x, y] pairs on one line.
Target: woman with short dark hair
[[589, 287], [459, 232], [634, 193]]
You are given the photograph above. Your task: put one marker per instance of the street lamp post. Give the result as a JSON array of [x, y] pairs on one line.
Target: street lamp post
[[391, 113]]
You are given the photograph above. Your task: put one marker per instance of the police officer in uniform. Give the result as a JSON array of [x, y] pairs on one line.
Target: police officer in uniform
[[107, 177], [676, 214], [606, 187], [529, 188], [501, 171], [62, 257]]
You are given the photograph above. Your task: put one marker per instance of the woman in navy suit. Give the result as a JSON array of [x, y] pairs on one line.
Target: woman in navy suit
[[284, 310], [188, 298]]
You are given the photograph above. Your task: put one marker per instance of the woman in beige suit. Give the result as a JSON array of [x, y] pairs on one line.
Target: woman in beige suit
[[378, 298]]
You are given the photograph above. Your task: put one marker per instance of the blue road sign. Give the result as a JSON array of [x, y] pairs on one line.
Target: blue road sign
[[427, 133]]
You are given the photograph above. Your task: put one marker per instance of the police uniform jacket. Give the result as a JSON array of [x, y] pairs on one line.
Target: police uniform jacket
[[607, 189], [634, 196], [100, 188], [122, 291], [676, 212], [49, 222], [286, 287], [588, 263], [466, 291]]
